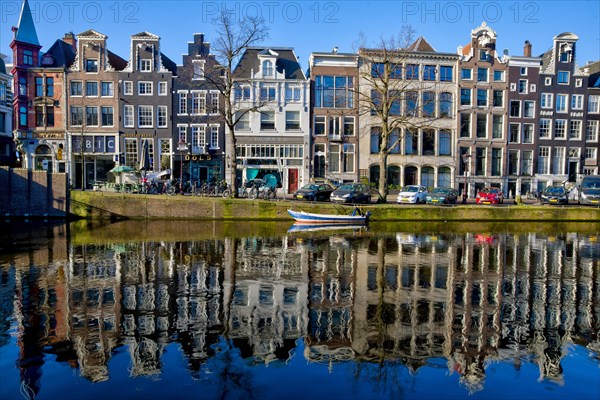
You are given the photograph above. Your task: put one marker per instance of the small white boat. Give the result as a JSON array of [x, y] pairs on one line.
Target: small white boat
[[356, 218]]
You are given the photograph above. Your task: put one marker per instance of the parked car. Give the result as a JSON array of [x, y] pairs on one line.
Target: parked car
[[555, 195], [442, 195], [489, 195], [589, 190], [314, 192], [413, 194], [352, 193]]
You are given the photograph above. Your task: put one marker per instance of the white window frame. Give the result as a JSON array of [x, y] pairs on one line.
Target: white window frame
[[214, 102], [128, 116], [591, 153], [111, 86], [214, 136], [547, 101], [146, 85], [198, 70], [162, 89], [591, 131], [128, 88], [594, 104], [568, 77], [145, 65], [182, 133], [143, 108], [162, 110], [546, 126], [557, 124], [182, 102], [576, 102], [566, 103]]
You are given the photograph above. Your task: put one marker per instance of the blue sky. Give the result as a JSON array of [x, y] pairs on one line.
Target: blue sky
[[309, 26]]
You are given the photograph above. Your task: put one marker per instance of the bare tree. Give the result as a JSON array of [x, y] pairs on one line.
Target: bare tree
[[233, 37], [391, 96]]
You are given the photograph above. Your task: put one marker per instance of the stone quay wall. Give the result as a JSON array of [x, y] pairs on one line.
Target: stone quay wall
[[27, 193]]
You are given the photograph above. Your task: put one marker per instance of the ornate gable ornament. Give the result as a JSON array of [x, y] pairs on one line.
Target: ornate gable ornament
[[484, 33], [85, 39]]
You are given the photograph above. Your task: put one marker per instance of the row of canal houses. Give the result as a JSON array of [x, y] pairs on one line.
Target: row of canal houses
[[517, 122]]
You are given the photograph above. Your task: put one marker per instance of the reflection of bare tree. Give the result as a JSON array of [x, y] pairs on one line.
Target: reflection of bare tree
[[389, 304]]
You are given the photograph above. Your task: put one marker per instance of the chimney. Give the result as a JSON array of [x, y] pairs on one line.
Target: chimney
[[527, 49], [70, 39]]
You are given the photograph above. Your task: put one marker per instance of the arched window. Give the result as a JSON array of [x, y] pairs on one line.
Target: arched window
[[410, 175], [267, 67]]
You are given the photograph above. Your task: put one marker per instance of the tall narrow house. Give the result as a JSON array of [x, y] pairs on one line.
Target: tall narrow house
[[145, 105], [271, 102], [198, 125], [523, 116], [334, 117], [483, 88], [563, 106], [93, 117]]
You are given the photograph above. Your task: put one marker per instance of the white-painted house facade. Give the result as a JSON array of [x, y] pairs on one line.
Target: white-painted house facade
[[272, 102]]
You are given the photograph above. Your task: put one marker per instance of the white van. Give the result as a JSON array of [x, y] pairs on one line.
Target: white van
[[589, 190]]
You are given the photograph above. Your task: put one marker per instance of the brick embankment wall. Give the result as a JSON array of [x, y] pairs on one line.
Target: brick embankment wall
[[26, 193], [115, 206]]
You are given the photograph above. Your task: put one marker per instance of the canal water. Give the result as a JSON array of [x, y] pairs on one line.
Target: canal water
[[230, 310]]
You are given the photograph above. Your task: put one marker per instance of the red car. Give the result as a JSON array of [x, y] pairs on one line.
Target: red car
[[489, 195]]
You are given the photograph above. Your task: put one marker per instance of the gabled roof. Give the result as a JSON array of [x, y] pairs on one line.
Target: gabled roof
[[62, 53], [116, 62], [422, 45], [286, 61], [92, 33], [26, 29], [168, 63], [594, 70], [145, 35]]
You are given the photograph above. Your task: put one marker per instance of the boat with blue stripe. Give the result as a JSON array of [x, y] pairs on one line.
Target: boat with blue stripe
[[356, 218]]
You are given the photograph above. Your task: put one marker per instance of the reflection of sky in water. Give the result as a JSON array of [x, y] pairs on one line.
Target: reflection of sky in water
[[355, 315]]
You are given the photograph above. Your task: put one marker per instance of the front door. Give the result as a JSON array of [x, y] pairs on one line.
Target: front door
[[292, 180], [573, 171]]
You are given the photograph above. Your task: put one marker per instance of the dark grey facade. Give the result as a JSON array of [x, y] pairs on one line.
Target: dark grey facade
[[522, 104], [198, 128], [563, 103], [145, 105]]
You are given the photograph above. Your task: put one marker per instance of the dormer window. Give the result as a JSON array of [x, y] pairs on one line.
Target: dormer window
[[267, 68], [91, 65], [146, 65], [566, 51], [198, 69]]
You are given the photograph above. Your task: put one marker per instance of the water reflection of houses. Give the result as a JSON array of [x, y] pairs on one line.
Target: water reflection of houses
[[94, 308], [467, 299], [332, 264], [268, 311], [403, 302]]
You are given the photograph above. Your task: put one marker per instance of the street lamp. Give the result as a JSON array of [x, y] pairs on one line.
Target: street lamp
[[182, 147], [465, 159]]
